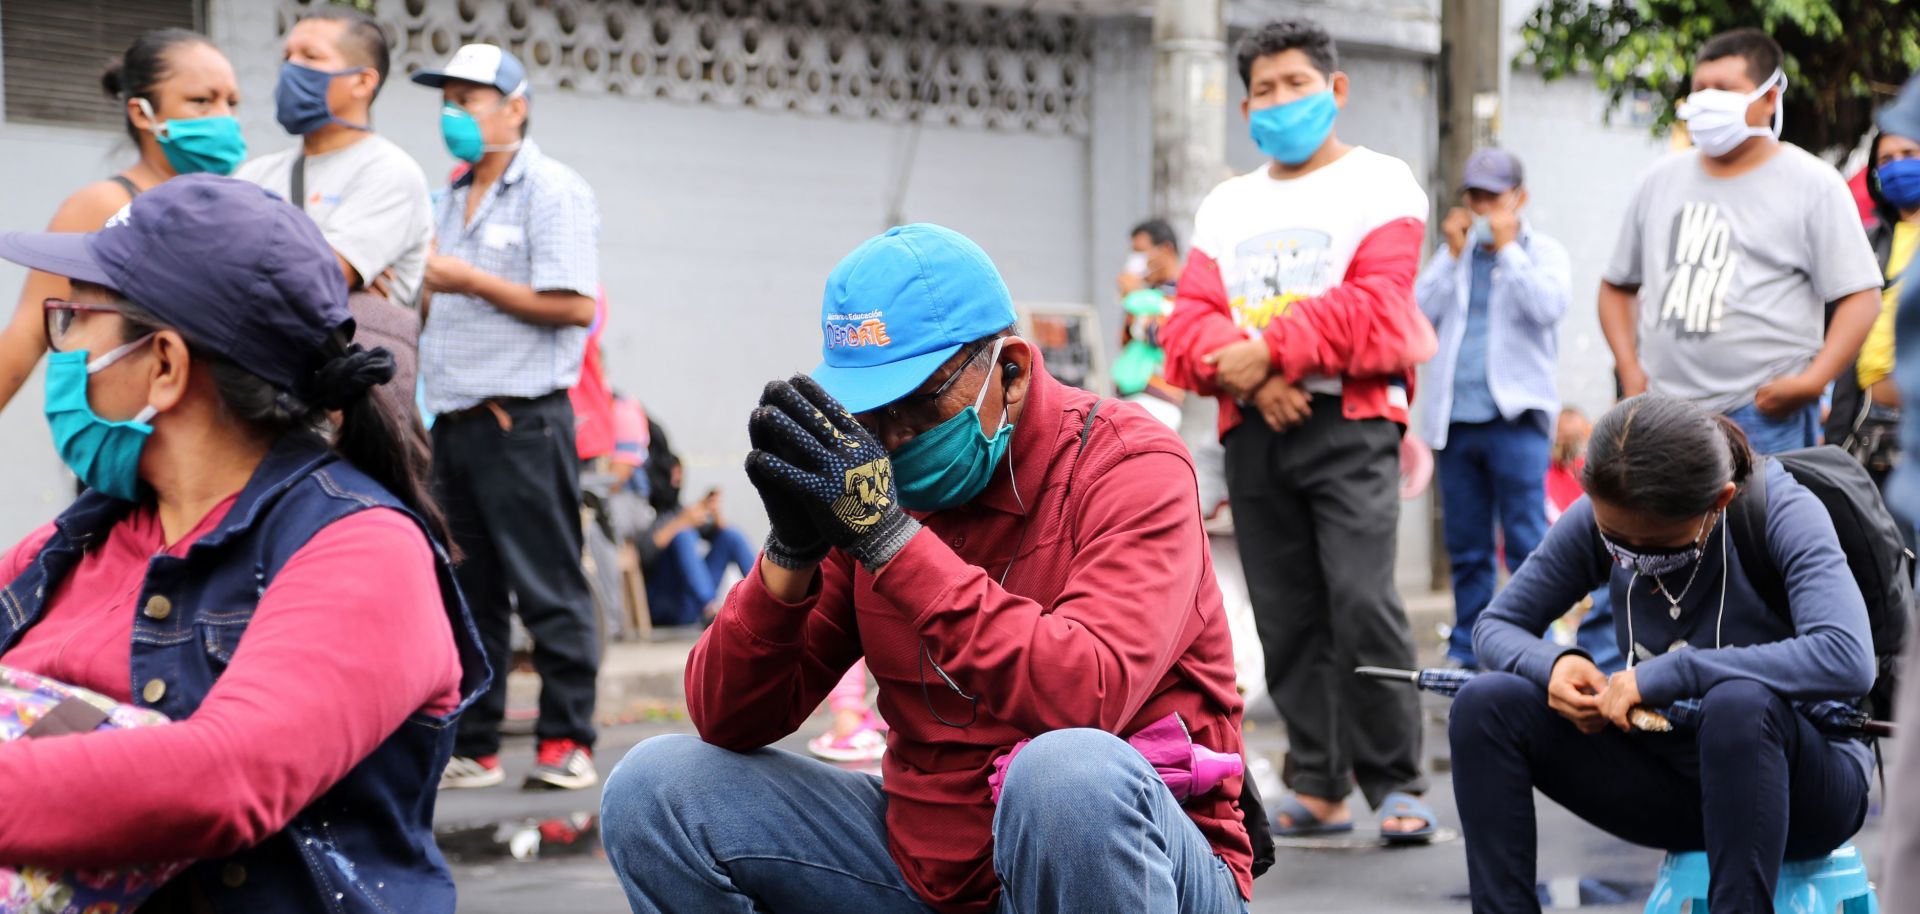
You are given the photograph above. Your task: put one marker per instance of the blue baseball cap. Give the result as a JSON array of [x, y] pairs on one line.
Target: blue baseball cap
[[899, 307], [486, 64], [227, 263]]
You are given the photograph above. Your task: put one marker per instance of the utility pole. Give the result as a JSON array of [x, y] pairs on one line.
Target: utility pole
[[1189, 107], [1469, 77]]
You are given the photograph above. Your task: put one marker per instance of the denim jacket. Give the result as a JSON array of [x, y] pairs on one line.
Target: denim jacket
[[1531, 286], [366, 845]]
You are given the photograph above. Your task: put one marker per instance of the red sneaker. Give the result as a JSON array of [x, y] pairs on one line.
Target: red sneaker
[[562, 764]]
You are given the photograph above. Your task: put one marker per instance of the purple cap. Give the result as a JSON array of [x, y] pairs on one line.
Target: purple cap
[[228, 264], [1492, 170]]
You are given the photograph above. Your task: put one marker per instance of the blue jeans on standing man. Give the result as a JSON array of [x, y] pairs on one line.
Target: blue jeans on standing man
[[1491, 473], [1768, 435], [1084, 825]]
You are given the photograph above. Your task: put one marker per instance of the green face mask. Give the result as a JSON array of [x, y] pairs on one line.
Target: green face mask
[[951, 463], [192, 145], [462, 132]]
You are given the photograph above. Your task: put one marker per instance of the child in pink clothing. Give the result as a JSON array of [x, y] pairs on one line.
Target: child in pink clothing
[[858, 734]]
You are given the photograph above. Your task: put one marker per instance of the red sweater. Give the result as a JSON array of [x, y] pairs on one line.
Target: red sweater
[[347, 642], [1110, 618], [1322, 269]]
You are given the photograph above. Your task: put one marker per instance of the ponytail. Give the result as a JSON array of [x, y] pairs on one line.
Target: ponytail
[[1739, 450]]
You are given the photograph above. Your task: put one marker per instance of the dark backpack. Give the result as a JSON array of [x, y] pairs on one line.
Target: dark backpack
[[1876, 553]]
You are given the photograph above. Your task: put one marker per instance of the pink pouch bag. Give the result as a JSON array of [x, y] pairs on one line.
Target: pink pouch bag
[[35, 707]]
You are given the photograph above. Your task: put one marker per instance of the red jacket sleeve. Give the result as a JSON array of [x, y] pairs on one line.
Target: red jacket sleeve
[[1367, 326], [348, 640], [1127, 611], [764, 666], [1200, 324]]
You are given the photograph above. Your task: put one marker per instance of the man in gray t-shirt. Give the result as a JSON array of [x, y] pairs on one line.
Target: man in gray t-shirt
[[369, 198], [1718, 289]]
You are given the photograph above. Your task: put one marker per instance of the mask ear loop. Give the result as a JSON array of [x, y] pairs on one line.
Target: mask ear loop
[[518, 92]]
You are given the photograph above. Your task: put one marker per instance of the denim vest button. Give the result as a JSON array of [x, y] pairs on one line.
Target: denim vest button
[[234, 876], [159, 608], [155, 690]]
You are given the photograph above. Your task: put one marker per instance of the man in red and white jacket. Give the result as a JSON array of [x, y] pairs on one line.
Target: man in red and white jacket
[[1296, 310]]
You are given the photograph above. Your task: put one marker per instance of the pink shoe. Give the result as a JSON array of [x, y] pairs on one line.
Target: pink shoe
[[864, 745]]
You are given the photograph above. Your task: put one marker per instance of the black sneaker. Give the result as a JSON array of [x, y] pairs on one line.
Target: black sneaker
[[562, 765]]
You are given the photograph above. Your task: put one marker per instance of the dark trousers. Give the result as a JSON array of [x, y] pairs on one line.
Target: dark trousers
[[1315, 511], [512, 498], [685, 577], [1767, 787], [1491, 474]]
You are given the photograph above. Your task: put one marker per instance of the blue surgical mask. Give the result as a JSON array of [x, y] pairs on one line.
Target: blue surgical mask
[[1661, 561], [193, 145], [1481, 235], [1900, 183], [104, 454], [951, 463], [1293, 132], [300, 98]]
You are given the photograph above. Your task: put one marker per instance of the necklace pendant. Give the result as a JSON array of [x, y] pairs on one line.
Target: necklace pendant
[[1674, 611]]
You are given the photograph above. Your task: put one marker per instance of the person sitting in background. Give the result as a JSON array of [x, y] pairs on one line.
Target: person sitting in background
[[1756, 783], [179, 96], [683, 578]]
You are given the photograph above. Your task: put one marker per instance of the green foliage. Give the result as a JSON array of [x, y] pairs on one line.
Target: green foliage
[[1839, 53]]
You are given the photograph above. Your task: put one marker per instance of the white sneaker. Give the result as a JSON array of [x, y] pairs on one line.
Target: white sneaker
[[463, 773]]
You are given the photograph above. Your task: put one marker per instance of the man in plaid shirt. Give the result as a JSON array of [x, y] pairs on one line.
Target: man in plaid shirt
[[512, 284]]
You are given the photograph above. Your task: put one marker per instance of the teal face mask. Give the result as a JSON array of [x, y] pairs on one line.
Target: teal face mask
[[201, 144], [951, 463], [105, 455], [462, 132], [1293, 132]]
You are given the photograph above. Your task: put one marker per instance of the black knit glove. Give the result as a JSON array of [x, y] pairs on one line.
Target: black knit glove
[[793, 542], [808, 448]]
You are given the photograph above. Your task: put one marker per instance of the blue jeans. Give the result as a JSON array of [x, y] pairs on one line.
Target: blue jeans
[[1755, 785], [683, 580], [1084, 825], [1490, 472], [1768, 435]]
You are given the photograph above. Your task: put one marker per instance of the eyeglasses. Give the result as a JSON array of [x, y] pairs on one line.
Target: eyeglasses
[[57, 316], [918, 412]]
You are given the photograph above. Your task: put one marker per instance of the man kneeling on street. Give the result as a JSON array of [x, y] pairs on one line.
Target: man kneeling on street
[[1041, 618]]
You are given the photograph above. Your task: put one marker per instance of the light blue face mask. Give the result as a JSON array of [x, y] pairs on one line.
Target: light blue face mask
[[104, 454], [951, 463], [1293, 132]]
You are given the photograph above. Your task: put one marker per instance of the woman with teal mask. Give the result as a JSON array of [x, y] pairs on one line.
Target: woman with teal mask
[[179, 95]]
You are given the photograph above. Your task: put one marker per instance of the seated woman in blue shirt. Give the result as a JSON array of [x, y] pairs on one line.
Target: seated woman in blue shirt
[[1660, 474]]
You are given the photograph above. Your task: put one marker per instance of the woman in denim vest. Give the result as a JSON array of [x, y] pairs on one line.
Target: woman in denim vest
[[257, 558]]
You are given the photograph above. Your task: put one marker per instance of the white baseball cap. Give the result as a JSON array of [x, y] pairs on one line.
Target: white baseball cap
[[486, 64]]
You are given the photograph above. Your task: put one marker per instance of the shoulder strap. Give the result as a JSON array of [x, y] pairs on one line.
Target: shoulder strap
[[132, 189], [1747, 523], [300, 182]]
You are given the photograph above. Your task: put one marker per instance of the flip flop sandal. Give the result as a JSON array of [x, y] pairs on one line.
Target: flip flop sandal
[[1304, 823], [1406, 806]]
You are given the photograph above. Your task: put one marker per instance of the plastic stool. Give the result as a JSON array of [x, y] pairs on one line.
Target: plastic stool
[[1834, 884]]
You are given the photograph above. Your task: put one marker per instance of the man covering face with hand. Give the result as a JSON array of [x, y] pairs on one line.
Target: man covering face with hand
[[1023, 568]]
